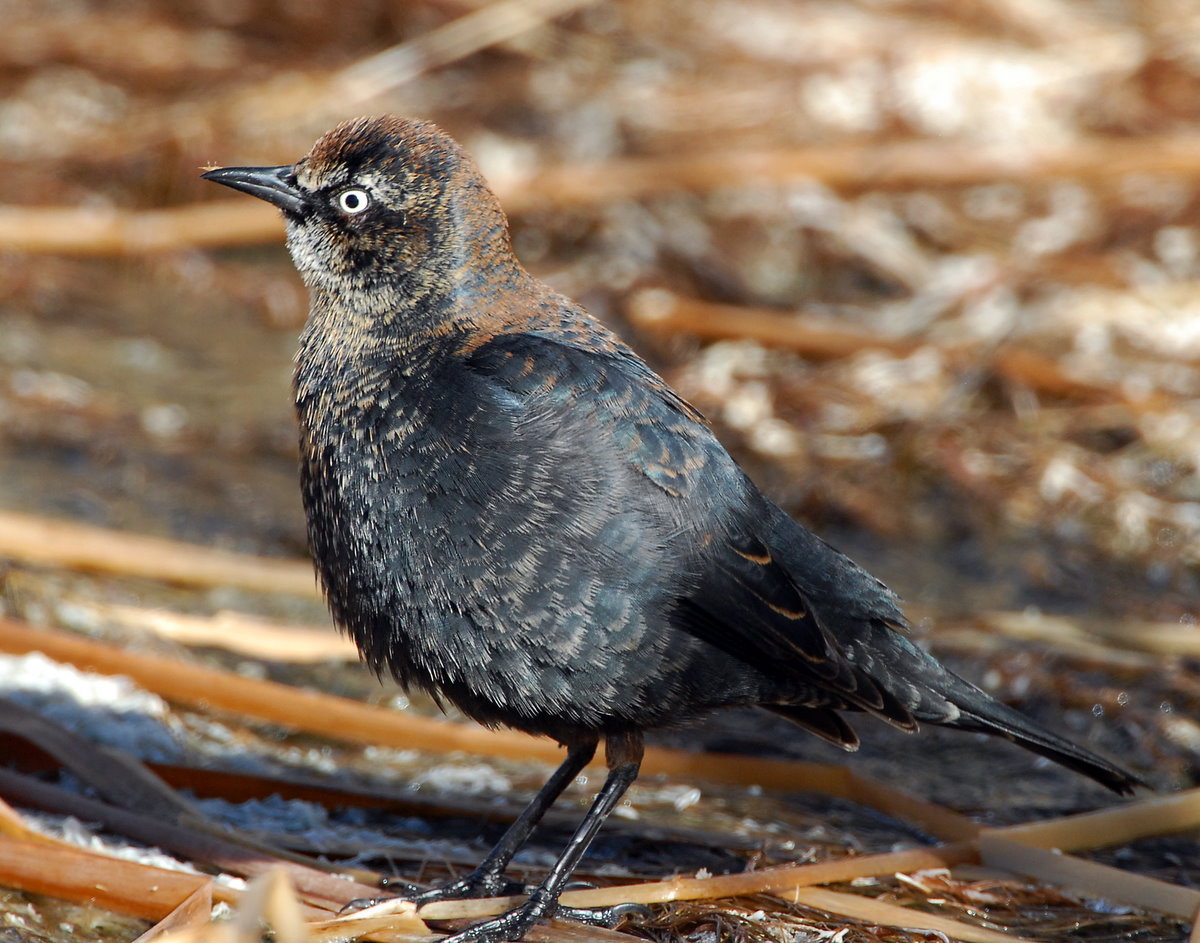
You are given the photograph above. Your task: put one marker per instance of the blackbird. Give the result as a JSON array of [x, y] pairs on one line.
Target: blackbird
[[510, 510]]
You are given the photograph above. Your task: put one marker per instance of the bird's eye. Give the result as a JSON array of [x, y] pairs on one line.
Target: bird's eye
[[353, 201]]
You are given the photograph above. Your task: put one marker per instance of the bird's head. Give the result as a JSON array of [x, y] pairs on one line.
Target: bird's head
[[384, 205]]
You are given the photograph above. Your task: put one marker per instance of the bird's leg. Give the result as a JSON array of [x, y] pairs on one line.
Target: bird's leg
[[624, 756], [488, 879]]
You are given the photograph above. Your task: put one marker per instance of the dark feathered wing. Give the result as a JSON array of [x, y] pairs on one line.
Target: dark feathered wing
[[762, 588]]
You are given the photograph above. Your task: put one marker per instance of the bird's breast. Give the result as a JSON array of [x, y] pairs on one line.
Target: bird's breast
[[496, 550]]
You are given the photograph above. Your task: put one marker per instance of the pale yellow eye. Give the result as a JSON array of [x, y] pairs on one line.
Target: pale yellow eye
[[353, 201]]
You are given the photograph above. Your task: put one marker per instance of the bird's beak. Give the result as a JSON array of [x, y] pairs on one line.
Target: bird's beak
[[276, 185]]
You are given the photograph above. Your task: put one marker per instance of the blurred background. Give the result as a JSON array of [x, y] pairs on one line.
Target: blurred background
[[932, 269]]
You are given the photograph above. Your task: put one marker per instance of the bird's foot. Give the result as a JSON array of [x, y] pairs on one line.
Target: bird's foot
[[509, 926], [598, 916], [514, 924], [476, 884]]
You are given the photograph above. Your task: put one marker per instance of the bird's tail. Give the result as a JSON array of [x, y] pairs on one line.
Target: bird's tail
[[939, 696], [865, 618], [981, 712]]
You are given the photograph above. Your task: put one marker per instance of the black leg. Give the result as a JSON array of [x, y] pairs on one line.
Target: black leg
[[624, 759], [488, 879]]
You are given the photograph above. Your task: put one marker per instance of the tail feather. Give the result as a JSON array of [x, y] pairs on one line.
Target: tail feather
[[987, 715], [937, 695], [826, 723], [865, 618]]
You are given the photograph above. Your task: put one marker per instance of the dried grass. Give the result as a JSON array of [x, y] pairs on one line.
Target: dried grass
[[28, 863]]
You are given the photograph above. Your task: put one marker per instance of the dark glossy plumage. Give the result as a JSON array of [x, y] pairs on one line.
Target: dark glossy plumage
[[510, 509]]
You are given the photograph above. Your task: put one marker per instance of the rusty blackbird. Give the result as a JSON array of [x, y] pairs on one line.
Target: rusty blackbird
[[509, 509]]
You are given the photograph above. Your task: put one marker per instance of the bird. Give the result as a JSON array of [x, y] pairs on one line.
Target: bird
[[511, 510]]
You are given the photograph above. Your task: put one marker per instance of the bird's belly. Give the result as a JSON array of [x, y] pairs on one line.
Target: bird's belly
[[510, 649], [511, 616]]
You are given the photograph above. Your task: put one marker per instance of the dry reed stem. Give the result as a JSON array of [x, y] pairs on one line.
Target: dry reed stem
[[383, 72], [65, 871], [275, 703], [271, 902], [795, 889], [817, 339], [1083, 649], [881, 913], [87, 231], [1160, 638], [124, 781], [232, 631], [668, 313], [1156, 815], [41, 540], [270, 899], [193, 911], [115, 775], [292, 95], [1089, 877], [13, 826], [1004, 849], [46, 541], [915, 163], [323, 892], [877, 166], [780, 882]]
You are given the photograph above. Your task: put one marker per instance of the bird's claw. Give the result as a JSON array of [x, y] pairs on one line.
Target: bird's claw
[[476, 884], [359, 903], [603, 916], [514, 924]]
